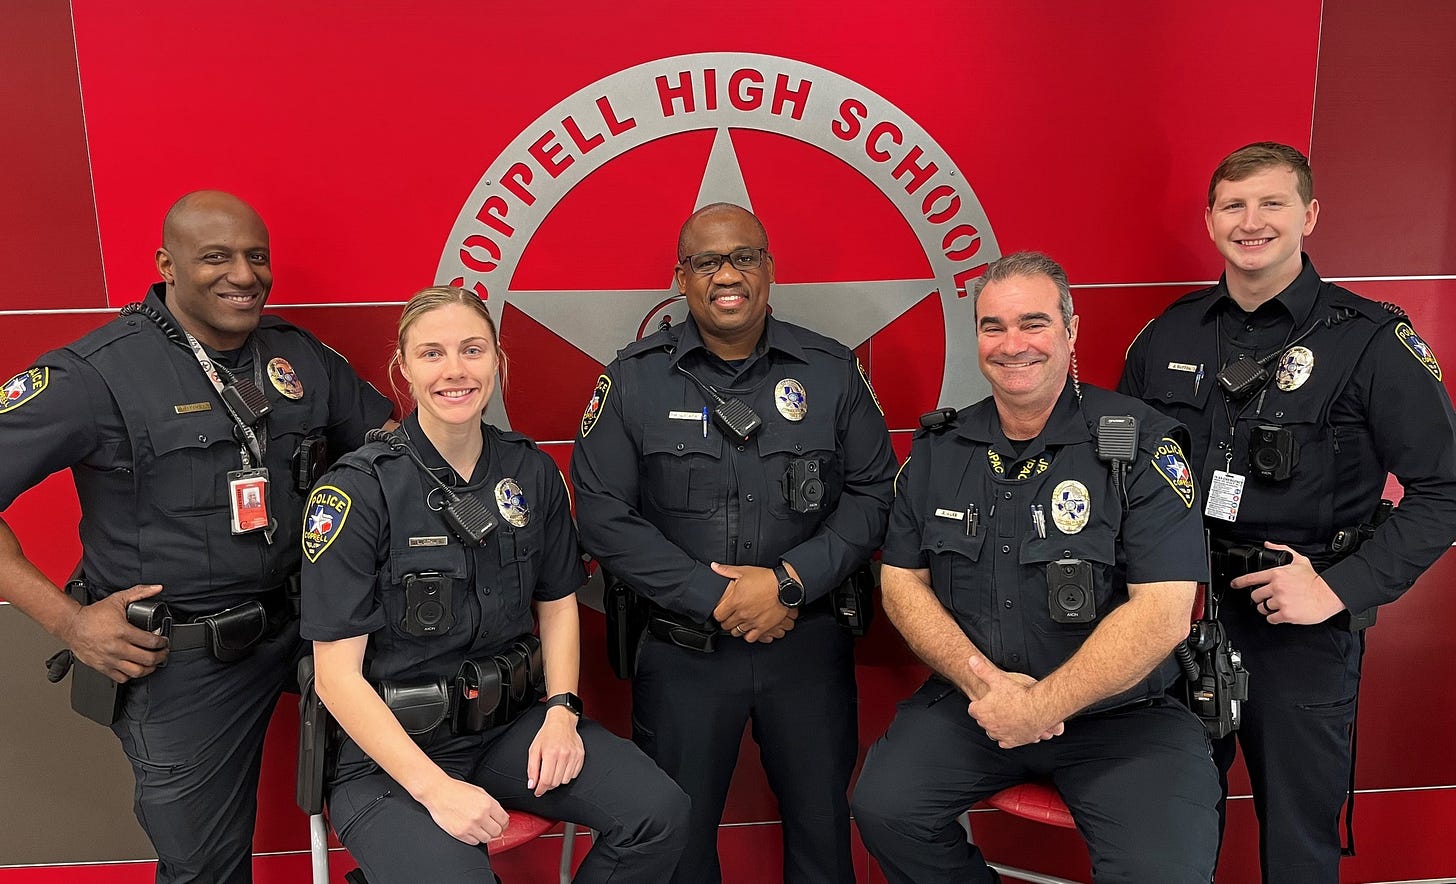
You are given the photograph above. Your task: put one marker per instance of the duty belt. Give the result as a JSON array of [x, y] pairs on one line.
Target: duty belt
[[231, 634], [484, 694], [680, 630]]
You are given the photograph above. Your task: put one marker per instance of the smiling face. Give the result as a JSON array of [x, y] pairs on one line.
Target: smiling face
[[215, 261], [1258, 224], [730, 305], [448, 356], [1023, 345]]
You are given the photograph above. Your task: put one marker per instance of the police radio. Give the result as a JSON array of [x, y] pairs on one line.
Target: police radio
[[733, 416], [1217, 682], [467, 516]]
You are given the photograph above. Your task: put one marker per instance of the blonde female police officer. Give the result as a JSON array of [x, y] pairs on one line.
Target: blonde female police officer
[[396, 601]]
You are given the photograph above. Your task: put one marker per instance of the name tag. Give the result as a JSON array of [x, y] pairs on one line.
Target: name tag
[[685, 415], [1182, 366], [950, 514], [429, 541]]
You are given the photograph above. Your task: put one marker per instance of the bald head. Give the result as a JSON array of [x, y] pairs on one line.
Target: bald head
[[185, 214], [216, 266], [713, 210]]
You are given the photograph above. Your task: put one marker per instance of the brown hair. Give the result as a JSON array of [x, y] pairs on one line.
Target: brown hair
[[433, 298], [1251, 159]]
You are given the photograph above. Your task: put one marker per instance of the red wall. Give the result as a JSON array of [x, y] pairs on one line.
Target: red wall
[[360, 135]]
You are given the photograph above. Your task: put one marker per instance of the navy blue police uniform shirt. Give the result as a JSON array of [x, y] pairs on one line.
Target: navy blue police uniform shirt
[[149, 446], [1363, 398], [661, 493], [993, 578], [360, 542]]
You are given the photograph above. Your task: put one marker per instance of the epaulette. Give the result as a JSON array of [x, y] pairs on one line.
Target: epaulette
[[1378, 312], [366, 456], [655, 341], [513, 436], [109, 333]]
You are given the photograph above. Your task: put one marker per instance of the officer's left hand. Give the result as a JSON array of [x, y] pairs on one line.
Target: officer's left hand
[[1291, 593], [1008, 709], [750, 605], [557, 754]]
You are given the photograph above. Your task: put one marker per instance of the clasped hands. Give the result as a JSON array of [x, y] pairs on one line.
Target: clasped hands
[[1007, 708], [750, 607]]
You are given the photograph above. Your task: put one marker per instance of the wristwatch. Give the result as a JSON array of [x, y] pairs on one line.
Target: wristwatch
[[791, 591], [569, 700]]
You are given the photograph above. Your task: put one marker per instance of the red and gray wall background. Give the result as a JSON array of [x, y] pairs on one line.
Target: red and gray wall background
[[548, 152]]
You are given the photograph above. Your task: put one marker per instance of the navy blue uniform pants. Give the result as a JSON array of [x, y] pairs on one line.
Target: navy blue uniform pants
[[638, 813], [1139, 782], [193, 732], [688, 713], [1295, 736]]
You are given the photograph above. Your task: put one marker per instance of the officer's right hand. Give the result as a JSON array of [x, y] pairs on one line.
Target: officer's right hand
[[99, 635], [465, 811]]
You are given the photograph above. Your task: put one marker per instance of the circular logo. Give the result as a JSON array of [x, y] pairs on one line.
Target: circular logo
[[728, 92]]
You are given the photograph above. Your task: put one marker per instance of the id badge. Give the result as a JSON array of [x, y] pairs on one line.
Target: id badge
[[1225, 494], [248, 499]]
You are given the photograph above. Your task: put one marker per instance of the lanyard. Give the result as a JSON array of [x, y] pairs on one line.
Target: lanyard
[[252, 443]]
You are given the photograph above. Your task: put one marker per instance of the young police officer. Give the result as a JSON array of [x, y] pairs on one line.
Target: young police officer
[[1045, 566], [193, 428], [1300, 397], [736, 533]]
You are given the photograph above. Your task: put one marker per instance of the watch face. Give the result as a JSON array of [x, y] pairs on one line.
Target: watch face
[[791, 594]]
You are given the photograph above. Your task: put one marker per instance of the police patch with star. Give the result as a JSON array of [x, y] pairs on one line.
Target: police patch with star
[[328, 507], [1418, 348], [594, 406], [23, 387], [1173, 467]]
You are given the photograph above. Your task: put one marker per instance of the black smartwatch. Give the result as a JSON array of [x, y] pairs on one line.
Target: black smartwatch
[[569, 700], [791, 591]]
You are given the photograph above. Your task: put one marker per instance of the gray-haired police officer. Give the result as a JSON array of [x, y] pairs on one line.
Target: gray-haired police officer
[[1048, 585], [191, 496], [1300, 397], [736, 535]]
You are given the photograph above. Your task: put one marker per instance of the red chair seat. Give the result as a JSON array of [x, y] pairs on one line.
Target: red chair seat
[[523, 827], [1033, 801]]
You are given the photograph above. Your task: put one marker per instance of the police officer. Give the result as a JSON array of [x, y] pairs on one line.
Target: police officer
[[736, 534], [1047, 584], [1300, 397], [189, 496], [431, 551]]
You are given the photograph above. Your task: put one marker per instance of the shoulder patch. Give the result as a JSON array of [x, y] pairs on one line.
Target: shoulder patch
[[23, 387], [595, 405], [327, 509], [1173, 467], [1418, 348], [864, 376]]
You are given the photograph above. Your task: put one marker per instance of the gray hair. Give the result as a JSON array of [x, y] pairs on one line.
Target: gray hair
[[1026, 264]]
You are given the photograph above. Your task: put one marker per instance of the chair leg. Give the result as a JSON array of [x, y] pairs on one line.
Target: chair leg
[[318, 848], [1011, 871], [568, 850]]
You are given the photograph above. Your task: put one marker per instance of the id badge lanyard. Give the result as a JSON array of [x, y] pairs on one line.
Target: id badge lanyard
[[247, 487]]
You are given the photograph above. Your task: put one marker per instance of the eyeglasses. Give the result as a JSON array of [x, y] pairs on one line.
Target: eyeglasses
[[708, 263]]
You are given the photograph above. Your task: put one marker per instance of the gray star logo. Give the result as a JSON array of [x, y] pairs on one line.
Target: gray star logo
[[849, 312]]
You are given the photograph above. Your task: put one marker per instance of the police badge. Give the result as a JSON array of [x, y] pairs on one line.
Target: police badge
[[1071, 506], [790, 399], [511, 502], [1294, 369]]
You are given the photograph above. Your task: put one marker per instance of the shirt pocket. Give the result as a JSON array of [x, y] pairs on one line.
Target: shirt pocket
[[520, 550], [194, 453], [1306, 497], [684, 470], [780, 443], [1095, 544], [961, 582], [449, 562]]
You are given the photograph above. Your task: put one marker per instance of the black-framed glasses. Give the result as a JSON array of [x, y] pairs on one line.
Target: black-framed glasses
[[708, 263]]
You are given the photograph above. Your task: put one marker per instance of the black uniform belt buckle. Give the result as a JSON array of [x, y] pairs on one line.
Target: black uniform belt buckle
[[691, 638]]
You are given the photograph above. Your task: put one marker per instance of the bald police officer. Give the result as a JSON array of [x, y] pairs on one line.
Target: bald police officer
[[193, 427], [736, 536]]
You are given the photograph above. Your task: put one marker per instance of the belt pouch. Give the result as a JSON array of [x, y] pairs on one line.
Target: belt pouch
[[231, 634], [477, 696], [524, 677], [420, 707]]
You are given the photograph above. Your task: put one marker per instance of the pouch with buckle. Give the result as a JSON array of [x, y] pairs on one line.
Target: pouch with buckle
[[524, 677], [420, 707], [231, 634], [478, 693]]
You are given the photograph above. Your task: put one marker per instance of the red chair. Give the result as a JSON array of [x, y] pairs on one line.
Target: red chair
[[313, 744], [1036, 801]]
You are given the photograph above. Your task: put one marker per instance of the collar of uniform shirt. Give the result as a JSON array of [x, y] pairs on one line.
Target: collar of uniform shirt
[[1297, 299], [775, 337], [1066, 425]]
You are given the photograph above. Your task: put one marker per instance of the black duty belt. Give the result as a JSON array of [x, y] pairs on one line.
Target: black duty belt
[[231, 634], [484, 694], [690, 635]]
